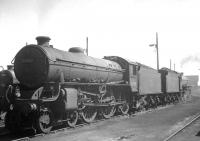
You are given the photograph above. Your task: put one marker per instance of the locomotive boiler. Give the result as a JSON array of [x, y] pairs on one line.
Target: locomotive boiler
[[38, 64]]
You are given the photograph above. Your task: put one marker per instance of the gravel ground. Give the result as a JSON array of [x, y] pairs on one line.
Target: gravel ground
[[150, 126]]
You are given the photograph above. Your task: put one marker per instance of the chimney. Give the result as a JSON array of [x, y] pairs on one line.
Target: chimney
[[43, 41]]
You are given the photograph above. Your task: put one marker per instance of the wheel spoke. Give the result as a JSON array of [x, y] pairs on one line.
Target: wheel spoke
[[108, 112], [73, 118], [124, 108], [88, 114], [44, 122]]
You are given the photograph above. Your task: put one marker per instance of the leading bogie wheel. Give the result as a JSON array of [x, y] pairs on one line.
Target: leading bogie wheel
[[73, 118], [44, 122]]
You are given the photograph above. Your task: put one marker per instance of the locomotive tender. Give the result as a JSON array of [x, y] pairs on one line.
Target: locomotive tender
[[59, 87]]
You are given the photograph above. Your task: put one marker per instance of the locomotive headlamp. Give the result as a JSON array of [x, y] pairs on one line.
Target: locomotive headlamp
[[11, 107], [33, 106], [17, 94]]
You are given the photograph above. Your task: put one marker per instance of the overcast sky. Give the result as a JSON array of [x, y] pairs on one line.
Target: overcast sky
[[114, 27]]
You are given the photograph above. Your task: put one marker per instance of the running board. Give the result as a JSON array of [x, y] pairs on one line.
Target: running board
[[103, 104]]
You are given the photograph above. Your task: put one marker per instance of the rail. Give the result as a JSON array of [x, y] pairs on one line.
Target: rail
[[179, 130]]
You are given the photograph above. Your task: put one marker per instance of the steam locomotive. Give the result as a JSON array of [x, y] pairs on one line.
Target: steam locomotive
[[59, 87], [7, 81]]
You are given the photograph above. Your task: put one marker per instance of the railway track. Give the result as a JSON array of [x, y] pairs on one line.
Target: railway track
[[64, 129], [78, 126], [175, 133]]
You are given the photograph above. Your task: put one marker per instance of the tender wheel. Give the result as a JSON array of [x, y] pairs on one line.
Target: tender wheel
[[108, 112], [44, 122], [88, 114], [166, 100], [73, 118], [124, 108], [142, 104]]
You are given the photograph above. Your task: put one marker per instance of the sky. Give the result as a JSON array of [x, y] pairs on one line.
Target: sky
[[114, 27]]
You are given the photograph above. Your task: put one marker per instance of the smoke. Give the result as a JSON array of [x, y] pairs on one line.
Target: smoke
[[190, 59]]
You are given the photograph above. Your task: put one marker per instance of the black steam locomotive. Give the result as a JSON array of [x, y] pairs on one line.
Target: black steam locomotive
[[7, 81], [59, 87]]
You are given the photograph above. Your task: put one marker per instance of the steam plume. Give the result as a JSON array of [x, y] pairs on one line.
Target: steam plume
[[190, 59]]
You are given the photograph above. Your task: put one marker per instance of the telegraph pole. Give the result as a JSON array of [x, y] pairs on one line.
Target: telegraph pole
[[174, 66], [87, 46], [157, 51]]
